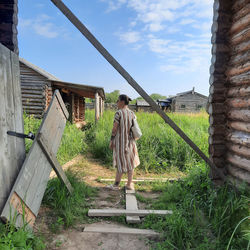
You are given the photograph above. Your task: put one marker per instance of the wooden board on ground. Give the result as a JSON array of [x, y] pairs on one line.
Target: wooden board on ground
[[120, 212], [143, 180], [26, 195], [131, 204], [12, 153], [121, 230]]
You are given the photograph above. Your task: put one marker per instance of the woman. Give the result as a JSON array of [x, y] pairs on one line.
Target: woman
[[125, 155]]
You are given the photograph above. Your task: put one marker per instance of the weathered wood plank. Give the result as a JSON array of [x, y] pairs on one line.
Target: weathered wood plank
[[119, 230], [55, 164], [120, 212], [79, 25], [12, 151], [131, 204], [143, 180], [34, 174]]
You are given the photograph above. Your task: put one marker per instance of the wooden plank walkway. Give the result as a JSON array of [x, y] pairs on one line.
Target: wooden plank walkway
[[119, 230], [131, 204], [119, 212]]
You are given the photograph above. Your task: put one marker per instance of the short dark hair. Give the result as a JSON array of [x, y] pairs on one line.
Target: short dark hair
[[124, 98]]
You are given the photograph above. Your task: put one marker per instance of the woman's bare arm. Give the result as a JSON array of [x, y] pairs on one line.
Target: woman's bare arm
[[114, 131]]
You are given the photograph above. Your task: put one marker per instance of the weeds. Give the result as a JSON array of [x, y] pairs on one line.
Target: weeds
[[11, 238], [67, 208], [72, 142], [204, 216]]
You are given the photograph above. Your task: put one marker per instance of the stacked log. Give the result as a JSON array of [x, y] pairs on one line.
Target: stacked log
[[8, 24], [218, 83], [34, 91], [238, 94]]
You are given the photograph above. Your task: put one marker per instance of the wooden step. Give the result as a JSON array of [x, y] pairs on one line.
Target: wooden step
[[131, 204], [119, 230], [120, 212]]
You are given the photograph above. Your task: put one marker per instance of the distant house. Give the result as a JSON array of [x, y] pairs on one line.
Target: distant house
[[189, 101], [37, 88], [142, 105]]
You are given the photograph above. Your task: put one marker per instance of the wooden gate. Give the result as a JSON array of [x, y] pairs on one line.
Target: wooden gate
[[26, 195]]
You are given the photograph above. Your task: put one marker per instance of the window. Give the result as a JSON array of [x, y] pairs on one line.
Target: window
[[183, 106], [198, 106]]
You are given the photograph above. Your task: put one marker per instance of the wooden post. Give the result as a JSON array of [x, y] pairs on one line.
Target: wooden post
[[8, 25], [72, 108], [97, 107], [79, 25]]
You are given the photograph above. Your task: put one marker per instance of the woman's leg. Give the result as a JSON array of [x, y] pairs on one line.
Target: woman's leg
[[118, 178], [130, 178]]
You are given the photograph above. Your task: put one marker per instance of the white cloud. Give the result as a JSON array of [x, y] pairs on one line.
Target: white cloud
[[43, 26], [114, 4], [187, 21], [130, 37]]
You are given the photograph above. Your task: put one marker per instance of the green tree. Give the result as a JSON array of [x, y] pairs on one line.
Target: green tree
[[156, 96], [112, 97]]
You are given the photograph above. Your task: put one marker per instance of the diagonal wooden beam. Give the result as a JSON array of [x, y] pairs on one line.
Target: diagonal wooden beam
[[80, 26], [54, 163]]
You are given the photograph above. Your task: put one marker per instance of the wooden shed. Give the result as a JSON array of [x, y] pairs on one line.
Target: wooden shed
[[189, 101], [229, 100], [37, 87]]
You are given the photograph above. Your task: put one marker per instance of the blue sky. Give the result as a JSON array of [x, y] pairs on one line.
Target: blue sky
[[164, 44]]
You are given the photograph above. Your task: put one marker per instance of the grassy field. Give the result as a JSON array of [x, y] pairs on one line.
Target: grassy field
[[205, 216], [160, 148]]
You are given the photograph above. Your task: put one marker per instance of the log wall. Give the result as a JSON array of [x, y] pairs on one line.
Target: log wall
[[36, 91], [229, 100], [8, 24]]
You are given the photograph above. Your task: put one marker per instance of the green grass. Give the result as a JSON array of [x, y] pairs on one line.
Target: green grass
[[22, 239], [68, 209], [204, 216], [160, 148], [72, 142]]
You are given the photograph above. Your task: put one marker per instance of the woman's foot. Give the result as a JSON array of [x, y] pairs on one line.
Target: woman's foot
[[113, 187], [130, 187]]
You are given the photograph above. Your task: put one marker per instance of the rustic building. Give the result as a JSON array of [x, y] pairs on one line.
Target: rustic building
[[142, 105], [189, 101], [229, 100], [37, 87]]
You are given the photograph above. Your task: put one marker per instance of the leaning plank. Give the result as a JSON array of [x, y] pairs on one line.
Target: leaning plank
[[131, 204], [119, 212], [26, 195], [12, 149], [55, 164], [116, 230], [80, 26]]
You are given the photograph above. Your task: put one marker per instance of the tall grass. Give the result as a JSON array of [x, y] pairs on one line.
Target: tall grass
[[204, 216], [159, 147], [67, 209], [72, 142]]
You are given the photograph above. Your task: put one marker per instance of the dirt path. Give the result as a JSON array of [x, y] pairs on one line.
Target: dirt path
[[91, 171]]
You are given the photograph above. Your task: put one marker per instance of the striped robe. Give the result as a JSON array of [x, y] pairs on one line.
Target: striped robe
[[125, 154]]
